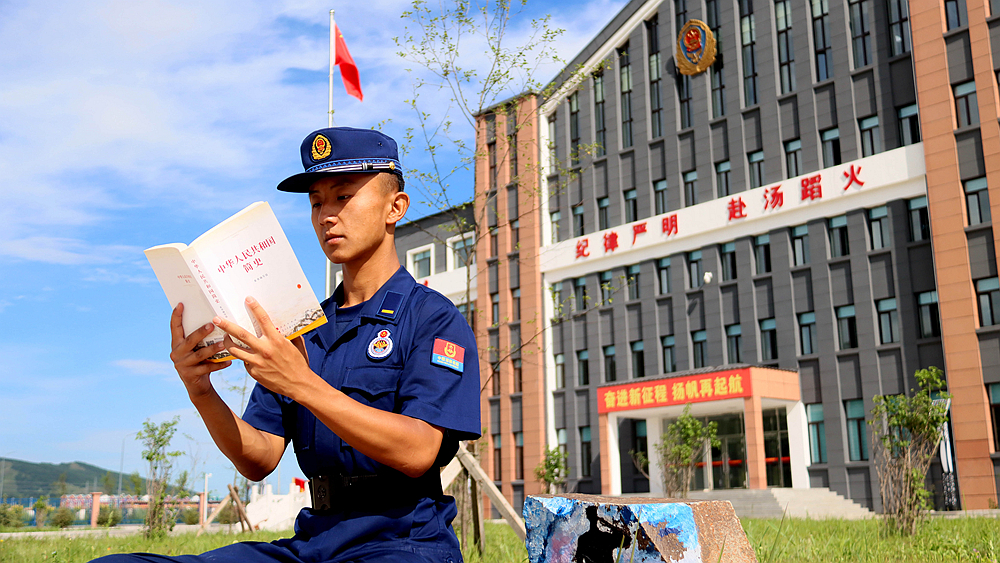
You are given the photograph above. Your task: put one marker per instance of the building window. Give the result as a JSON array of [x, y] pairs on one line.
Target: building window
[[495, 368], [878, 227], [888, 321], [817, 433], [602, 213], [515, 235], [920, 224], [578, 220], [684, 100], [847, 328], [585, 452], [928, 319], [699, 343], [561, 439], [899, 26], [553, 159], [988, 295], [655, 99], [463, 251], [669, 358], [860, 33], [807, 333], [633, 281], [821, 39], [680, 15], [515, 305], [660, 196], [966, 108], [625, 84], [606, 287], [748, 36], [870, 141], [977, 200], [993, 389], [518, 456], [574, 128], [495, 308], [695, 276], [793, 158], [468, 313], [600, 129], [580, 293], [727, 253], [718, 90], [663, 275], [610, 369], [800, 245], [839, 245], [560, 371], [756, 162], [722, 178], [831, 147], [557, 301], [734, 344], [491, 149], [631, 205], [786, 49], [512, 145], [420, 263], [497, 459], [494, 243], [638, 359], [768, 340], [582, 367], [857, 437], [690, 188], [909, 125], [954, 13], [554, 219], [762, 253]]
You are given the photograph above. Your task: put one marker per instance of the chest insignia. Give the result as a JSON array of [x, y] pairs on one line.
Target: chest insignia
[[380, 346]]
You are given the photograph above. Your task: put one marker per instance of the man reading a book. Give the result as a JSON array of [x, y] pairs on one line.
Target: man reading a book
[[373, 402]]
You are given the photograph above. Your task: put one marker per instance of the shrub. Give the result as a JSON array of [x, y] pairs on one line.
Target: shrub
[[63, 518], [190, 516], [41, 510], [228, 515], [11, 516], [109, 516]]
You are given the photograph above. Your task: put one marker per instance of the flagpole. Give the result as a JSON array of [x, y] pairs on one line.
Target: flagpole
[[333, 60]]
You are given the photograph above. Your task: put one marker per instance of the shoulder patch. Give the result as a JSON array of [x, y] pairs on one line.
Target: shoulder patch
[[448, 354], [389, 309]]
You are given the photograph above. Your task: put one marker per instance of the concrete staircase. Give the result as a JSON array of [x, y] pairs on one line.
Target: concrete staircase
[[819, 503]]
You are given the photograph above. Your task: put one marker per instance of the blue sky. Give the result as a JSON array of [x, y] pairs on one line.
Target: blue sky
[[126, 124]]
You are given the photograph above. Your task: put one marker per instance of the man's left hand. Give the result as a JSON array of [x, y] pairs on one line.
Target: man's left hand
[[272, 360]]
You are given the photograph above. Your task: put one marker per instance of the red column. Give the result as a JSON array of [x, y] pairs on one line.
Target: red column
[[95, 508]]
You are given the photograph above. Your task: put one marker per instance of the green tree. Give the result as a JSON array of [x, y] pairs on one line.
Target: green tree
[[11, 516], [41, 511], [156, 439], [63, 517], [906, 432], [108, 483], [109, 516], [134, 484], [60, 487], [681, 447], [552, 470]]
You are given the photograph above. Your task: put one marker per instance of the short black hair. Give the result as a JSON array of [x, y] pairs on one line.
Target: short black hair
[[392, 180]]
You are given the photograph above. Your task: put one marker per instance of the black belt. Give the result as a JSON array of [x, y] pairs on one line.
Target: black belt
[[346, 492]]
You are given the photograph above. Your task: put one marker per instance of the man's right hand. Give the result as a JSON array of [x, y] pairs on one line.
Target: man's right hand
[[192, 365]]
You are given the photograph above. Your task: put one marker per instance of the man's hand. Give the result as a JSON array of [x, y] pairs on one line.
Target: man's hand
[[272, 360], [192, 365]]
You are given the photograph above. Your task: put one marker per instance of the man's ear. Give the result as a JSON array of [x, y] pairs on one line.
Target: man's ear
[[400, 203]]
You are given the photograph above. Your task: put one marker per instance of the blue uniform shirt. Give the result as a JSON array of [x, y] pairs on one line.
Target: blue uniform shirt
[[406, 350]]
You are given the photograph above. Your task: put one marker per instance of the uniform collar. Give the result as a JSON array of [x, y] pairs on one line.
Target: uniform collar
[[386, 306]]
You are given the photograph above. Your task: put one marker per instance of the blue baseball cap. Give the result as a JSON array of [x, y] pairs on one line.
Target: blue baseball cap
[[344, 150]]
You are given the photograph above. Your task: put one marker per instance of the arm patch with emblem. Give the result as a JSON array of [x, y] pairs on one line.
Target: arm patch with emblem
[[448, 354]]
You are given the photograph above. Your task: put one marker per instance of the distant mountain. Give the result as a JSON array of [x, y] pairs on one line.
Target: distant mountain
[[23, 479]]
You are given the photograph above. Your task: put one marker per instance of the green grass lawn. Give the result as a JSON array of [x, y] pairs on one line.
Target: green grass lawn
[[965, 539]]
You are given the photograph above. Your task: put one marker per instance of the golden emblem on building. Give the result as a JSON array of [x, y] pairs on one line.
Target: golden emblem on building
[[320, 148], [695, 47]]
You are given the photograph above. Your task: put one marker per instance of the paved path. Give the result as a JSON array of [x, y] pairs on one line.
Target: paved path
[[116, 531]]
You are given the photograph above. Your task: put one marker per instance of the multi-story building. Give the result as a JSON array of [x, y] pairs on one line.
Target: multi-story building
[[775, 238]]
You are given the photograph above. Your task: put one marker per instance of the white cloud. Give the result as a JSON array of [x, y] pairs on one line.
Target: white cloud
[[146, 367]]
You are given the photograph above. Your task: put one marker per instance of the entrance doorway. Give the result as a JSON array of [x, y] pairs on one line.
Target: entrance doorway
[[729, 464], [776, 455]]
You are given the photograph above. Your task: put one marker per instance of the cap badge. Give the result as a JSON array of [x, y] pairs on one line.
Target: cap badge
[[380, 346], [320, 148]]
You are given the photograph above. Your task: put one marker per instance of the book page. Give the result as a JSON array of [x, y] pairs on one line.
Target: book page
[[181, 285], [249, 255]]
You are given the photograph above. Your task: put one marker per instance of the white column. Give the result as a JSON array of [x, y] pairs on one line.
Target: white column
[[614, 457], [654, 433], [798, 445]]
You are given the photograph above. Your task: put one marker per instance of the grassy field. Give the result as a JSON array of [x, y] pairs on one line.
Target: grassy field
[[966, 539]]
